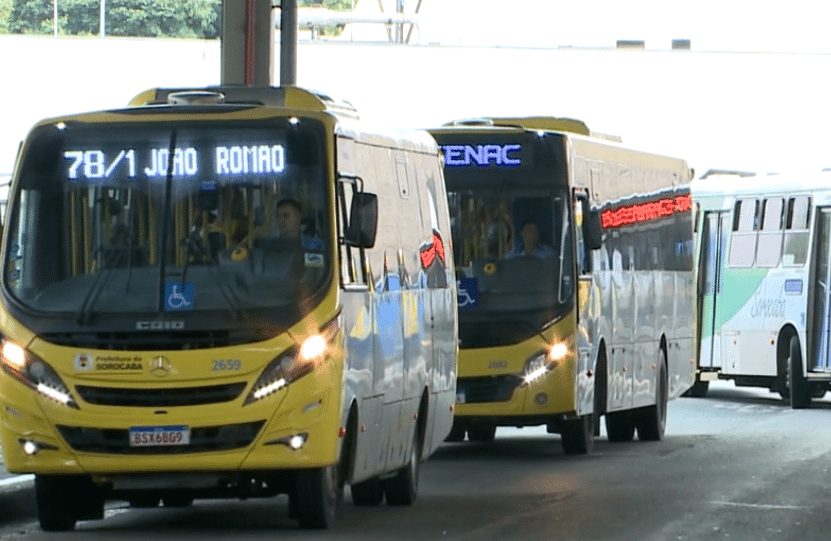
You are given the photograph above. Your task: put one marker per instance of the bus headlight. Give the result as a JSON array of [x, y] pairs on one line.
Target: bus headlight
[[33, 372], [543, 362], [288, 367], [535, 368]]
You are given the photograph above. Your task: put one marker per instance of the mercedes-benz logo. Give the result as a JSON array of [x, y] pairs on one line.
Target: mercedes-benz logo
[[159, 366]]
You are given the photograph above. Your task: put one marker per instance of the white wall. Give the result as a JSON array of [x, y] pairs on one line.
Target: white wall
[[718, 110]]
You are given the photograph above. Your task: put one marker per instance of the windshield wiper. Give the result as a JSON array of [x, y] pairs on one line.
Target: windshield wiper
[[130, 243], [166, 210], [101, 279], [192, 245]]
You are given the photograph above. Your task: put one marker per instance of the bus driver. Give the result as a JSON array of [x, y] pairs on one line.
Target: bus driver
[[289, 214], [530, 245]]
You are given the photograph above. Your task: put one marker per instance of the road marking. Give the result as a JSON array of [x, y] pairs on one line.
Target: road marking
[[759, 505]]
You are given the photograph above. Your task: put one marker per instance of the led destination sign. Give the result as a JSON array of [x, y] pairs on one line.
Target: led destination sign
[[645, 212], [481, 155], [220, 160]]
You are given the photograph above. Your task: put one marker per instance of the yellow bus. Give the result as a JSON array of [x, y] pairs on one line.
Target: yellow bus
[[225, 292], [574, 264]]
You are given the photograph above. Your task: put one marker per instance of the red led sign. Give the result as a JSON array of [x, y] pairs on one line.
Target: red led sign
[[645, 212]]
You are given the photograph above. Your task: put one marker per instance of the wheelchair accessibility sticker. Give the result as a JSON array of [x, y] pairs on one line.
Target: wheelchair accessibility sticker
[[467, 295], [178, 295]]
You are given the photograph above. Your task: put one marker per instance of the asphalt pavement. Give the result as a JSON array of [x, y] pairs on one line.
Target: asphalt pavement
[[17, 497]]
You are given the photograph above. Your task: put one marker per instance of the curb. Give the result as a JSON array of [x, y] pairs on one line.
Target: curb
[[16, 482]]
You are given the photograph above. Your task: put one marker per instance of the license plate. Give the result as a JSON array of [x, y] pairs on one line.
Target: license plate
[[153, 436]]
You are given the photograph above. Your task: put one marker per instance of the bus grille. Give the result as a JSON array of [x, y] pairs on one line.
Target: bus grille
[[202, 439], [157, 341], [496, 333], [160, 397], [488, 388]]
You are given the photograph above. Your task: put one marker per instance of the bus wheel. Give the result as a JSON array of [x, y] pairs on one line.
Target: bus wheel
[[698, 390], [652, 420], [457, 434], [620, 426], [481, 432], [318, 493], [578, 435], [143, 501], [57, 499], [799, 385], [367, 493], [177, 500], [402, 488]]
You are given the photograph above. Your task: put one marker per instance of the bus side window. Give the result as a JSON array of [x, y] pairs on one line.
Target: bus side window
[[769, 247], [795, 251], [743, 239]]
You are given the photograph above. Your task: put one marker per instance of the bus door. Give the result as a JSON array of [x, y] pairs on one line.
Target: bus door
[[822, 291], [714, 230]]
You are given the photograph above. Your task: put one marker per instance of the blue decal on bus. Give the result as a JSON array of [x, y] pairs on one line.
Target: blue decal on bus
[[468, 292], [179, 296]]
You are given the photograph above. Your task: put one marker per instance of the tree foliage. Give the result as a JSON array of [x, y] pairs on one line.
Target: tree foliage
[[5, 12], [335, 5], [149, 18]]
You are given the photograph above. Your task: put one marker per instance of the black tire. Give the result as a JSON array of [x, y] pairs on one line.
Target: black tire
[[144, 501], [620, 426], [177, 500], [402, 488], [577, 435], [600, 385], [699, 389], [457, 434], [651, 421], [55, 502], [782, 382], [481, 432], [318, 496], [799, 385], [367, 493]]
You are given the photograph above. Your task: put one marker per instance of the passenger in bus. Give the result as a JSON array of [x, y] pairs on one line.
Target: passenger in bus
[[289, 221], [493, 234], [529, 233]]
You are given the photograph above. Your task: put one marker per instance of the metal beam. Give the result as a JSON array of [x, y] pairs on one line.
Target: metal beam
[[288, 43], [246, 43]]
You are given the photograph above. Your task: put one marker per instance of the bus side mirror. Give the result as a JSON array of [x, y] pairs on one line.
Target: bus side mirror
[[593, 230], [363, 220]]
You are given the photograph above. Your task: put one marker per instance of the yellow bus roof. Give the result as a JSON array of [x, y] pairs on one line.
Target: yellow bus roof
[[288, 97], [548, 123]]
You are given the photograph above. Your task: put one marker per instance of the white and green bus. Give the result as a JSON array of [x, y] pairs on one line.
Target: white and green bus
[[764, 269]]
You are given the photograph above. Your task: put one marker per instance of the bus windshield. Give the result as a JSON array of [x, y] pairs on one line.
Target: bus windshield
[[140, 218], [513, 246]]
